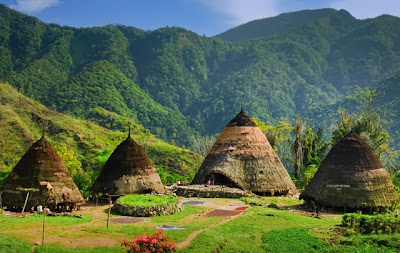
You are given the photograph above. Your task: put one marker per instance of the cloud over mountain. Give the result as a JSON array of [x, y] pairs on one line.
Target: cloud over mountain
[[33, 6]]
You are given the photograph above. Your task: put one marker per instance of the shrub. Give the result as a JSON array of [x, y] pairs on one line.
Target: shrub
[[388, 223], [149, 243]]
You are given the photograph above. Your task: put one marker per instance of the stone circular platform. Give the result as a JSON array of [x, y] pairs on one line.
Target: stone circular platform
[[212, 191], [147, 211]]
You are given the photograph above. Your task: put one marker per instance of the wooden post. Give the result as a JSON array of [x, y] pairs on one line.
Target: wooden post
[[26, 200], [44, 216], [109, 210], [1, 200], [97, 200]]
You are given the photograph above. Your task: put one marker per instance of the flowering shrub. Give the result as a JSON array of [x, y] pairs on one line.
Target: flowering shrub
[[154, 243]]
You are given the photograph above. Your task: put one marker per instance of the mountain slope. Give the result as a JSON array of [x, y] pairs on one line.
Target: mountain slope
[[269, 27], [83, 146]]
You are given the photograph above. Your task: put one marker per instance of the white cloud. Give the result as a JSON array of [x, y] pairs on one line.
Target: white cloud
[[33, 6], [368, 8], [241, 11]]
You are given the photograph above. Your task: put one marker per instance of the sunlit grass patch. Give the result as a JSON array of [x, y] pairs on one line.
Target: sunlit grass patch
[[38, 218], [13, 245], [147, 200]]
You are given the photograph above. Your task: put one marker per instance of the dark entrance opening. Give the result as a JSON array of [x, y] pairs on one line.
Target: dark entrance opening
[[220, 179]]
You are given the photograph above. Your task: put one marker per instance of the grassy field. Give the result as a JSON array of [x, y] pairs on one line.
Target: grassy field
[[258, 229]]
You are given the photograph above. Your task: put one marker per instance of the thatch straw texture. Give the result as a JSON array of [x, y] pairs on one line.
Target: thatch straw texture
[[42, 173], [128, 170], [242, 157], [351, 176]]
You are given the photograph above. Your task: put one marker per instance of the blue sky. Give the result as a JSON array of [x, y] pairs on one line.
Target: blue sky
[[208, 17]]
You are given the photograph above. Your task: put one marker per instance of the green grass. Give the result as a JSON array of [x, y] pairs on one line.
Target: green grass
[[13, 245], [245, 232], [38, 218], [51, 248], [265, 201], [291, 240], [299, 240], [144, 200]]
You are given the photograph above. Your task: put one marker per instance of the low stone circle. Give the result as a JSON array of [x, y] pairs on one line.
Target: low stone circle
[[212, 191], [147, 211]]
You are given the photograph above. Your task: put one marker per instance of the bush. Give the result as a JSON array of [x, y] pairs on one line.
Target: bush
[[388, 223], [149, 243]]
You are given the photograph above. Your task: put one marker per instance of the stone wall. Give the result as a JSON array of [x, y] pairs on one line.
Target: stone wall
[[147, 211], [212, 191]]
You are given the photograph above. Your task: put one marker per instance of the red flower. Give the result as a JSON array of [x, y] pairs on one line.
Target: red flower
[[155, 243]]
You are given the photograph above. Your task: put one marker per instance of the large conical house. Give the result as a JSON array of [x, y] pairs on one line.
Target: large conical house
[[243, 158], [128, 170], [351, 177], [40, 178]]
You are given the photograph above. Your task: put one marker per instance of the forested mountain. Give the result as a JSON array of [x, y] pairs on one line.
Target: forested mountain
[[82, 145], [180, 85], [269, 27]]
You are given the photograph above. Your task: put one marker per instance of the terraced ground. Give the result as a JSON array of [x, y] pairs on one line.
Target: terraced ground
[[256, 229]]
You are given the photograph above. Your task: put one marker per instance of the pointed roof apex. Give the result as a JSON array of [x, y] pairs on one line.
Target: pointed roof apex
[[352, 135], [242, 119]]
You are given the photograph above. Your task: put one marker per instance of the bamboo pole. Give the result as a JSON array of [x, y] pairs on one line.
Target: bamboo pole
[[26, 200], [44, 216]]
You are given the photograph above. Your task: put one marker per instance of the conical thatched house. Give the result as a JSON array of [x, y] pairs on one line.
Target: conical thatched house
[[351, 177], [42, 174], [128, 170], [242, 157]]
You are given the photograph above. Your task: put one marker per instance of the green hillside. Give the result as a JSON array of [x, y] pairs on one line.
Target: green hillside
[[181, 86], [83, 145], [269, 27]]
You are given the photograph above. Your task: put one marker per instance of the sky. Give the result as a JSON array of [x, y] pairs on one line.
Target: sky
[[205, 17]]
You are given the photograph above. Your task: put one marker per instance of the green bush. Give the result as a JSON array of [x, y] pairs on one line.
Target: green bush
[[388, 223]]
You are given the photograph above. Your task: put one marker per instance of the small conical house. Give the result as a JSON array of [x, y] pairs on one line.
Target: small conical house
[[128, 170], [40, 178], [243, 158], [351, 177]]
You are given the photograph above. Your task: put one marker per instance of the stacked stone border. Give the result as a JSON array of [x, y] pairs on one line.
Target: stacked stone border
[[212, 191], [147, 211]]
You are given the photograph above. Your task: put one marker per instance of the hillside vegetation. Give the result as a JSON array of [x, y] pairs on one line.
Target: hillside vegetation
[[180, 85], [82, 145]]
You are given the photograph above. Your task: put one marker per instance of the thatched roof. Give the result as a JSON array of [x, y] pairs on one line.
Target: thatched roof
[[242, 157], [128, 170], [351, 176], [42, 173]]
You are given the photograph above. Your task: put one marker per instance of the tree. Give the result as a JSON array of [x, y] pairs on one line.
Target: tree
[[280, 138], [298, 149], [365, 121]]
